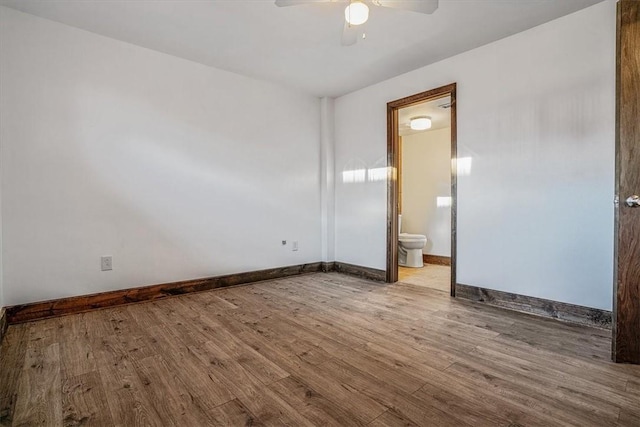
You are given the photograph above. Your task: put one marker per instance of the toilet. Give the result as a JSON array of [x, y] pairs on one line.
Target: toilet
[[410, 248]]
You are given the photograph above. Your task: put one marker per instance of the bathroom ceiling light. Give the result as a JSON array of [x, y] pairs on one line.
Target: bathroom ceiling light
[[356, 13], [421, 123]]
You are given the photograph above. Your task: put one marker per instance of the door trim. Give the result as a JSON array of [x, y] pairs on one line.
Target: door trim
[[392, 182]]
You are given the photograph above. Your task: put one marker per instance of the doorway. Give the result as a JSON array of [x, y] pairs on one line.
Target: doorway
[[445, 98]]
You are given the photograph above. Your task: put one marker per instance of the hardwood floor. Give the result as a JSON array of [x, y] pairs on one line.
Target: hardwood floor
[[432, 276], [319, 349]]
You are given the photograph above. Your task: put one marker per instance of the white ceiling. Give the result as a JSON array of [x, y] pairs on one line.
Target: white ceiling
[[440, 117], [299, 46]]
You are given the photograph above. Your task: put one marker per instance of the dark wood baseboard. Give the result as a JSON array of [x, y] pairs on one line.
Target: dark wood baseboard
[[60, 307], [327, 267], [359, 271], [4, 324], [538, 306], [436, 259]]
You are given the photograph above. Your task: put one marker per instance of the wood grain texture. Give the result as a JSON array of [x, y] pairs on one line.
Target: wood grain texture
[[318, 349], [626, 330], [393, 189], [39, 391], [84, 401], [538, 306], [393, 162], [64, 306], [436, 259], [12, 352]]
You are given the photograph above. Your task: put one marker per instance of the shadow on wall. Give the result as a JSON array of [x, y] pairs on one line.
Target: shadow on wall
[[187, 179]]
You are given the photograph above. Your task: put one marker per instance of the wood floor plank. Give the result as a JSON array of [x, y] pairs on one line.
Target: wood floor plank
[[311, 404], [422, 412], [367, 329], [285, 347], [316, 377], [76, 356], [109, 322], [607, 398], [365, 355], [319, 349], [257, 397], [12, 352], [629, 418], [392, 418], [476, 406], [39, 399], [560, 337], [609, 375], [128, 403], [252, 361], [343, 394], [290, 338], [522, 397], [168, 395], [275, 327], [233, 414], [198, 377], [84, 401]]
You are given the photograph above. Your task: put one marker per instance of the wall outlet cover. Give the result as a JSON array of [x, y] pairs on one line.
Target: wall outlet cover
[[106, 263]]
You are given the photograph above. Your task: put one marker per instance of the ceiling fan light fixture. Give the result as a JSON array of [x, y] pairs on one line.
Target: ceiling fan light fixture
[[356, 13], [421, 123]]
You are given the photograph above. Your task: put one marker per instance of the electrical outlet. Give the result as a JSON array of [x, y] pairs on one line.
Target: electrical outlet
[[294, 245], [106, 263]]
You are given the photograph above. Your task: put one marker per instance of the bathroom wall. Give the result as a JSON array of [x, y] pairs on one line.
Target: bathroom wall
[[426, 176], [536, 113], [175, 169]]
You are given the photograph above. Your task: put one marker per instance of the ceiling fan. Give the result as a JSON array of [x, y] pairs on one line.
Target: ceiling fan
[[357, 12]]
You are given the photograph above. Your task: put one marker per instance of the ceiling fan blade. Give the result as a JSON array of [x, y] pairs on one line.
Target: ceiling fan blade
[[350, 34], [283, 3], [420, 6]]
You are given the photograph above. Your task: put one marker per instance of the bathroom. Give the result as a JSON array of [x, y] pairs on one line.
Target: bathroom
[[424, 194]]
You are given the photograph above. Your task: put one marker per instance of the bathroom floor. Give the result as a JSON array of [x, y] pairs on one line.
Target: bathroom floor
[[430, 276]]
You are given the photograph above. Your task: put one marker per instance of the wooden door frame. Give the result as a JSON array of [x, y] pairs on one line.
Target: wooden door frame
[[392, 182]]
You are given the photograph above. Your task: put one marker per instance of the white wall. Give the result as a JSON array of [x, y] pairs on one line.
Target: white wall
[[2, 304], [327, 178], [426, 175], [536, 114], [177, 170]]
